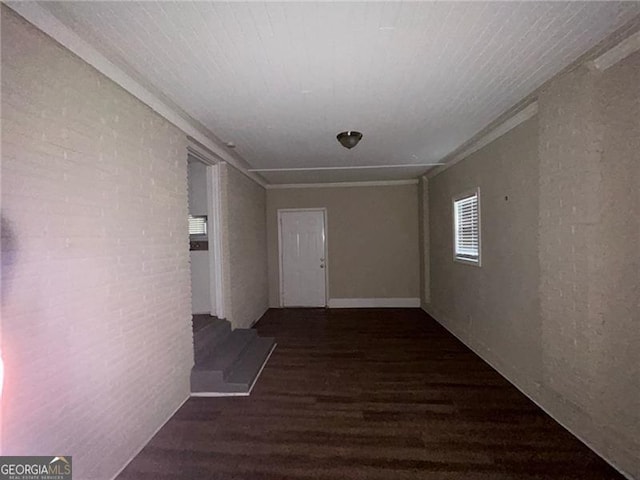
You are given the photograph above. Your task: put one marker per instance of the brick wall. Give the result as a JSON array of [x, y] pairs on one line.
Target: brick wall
[[95, 276], [245, 247], [589, 260]]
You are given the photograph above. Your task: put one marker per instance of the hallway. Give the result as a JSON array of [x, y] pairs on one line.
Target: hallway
[[367, 394]]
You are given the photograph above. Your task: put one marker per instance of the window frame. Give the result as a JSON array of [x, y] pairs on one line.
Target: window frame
[[456, 198]]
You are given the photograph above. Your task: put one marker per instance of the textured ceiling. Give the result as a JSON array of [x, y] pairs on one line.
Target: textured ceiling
[[280, 80]]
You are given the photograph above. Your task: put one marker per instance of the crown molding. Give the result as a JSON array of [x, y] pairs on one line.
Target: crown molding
[[45, 21], [381, 183], [610, 51], [354, 167], [619, 52], [202, 153], [495, 133]]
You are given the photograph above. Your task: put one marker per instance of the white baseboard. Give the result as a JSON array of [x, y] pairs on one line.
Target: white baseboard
[[138, 450], [542, 407], [374, 303], [219, 394], [259, 317]]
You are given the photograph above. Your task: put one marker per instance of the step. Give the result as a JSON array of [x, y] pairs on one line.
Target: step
[[205, 380], [211, 366], [241, 376], [246, 369], [198, 321], [226, 353], [207, 338]]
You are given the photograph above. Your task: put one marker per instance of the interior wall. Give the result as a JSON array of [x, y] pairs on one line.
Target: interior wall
[[495, 306], [589, 226], [372, 235], [96, 324], [200, 267], [197, 177], [245, 247], [555, 305], [617, 269], [425, 239]]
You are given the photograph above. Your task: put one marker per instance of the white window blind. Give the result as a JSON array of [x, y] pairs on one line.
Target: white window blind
[[197, 225], [467, 228]]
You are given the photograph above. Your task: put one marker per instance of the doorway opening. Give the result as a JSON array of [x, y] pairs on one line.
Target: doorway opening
[[204, 237]]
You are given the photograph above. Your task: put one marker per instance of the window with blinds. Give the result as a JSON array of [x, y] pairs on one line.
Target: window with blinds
[[466, 214], [198, 225]]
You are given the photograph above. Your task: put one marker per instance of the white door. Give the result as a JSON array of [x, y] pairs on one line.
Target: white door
[[302, 258]]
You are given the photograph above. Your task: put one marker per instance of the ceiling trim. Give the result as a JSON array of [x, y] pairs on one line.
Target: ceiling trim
[[611, 50], [44, 20], [355, 167], [382, 183], [619, 52], [521, 116], [200, 151]]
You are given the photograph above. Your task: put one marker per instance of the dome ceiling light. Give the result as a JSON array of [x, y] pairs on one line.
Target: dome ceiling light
[[349, 139]]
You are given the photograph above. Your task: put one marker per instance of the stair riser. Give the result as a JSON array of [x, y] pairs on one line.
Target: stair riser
[[202, 380], [220, 388], [208, 339], [242, 374], [227, 353]]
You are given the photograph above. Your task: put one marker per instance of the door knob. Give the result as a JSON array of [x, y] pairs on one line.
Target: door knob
[[321, 266]]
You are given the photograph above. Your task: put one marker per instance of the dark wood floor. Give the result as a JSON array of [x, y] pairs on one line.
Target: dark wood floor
[[367, 394]]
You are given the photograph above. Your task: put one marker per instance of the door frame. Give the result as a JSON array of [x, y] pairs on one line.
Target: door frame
[[215, 236], [326, 251], [214, 224]]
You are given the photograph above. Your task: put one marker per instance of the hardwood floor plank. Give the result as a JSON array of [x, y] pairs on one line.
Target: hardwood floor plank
[[367, 394]]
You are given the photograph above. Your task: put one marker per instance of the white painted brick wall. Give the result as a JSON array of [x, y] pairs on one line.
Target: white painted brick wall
[[569, 208], [244, 238], [589, 260], [96, 332]]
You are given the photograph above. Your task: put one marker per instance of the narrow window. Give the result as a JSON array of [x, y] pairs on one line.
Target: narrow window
[[466, 227]]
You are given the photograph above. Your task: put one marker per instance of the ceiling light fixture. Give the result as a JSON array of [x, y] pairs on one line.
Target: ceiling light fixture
[[349, 139]]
